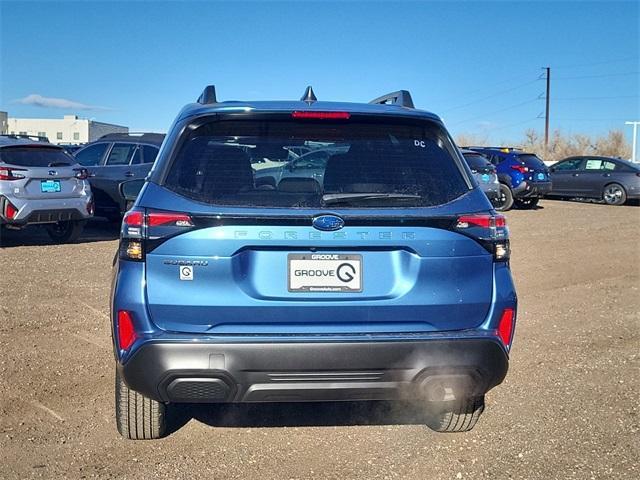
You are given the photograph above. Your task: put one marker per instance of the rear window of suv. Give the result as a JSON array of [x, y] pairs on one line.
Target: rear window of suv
[[475, 160], [35, 157], [532, 160], [250, 163]]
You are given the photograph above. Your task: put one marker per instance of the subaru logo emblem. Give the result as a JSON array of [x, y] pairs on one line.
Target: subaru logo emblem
[[328, 223], [52, 172]]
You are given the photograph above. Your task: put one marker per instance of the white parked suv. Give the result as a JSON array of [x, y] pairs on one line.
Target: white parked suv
[[42, 184]]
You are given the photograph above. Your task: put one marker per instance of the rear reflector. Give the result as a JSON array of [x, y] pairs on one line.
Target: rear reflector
[[10, 211], [321, 115], [505, 327], [126, 332]]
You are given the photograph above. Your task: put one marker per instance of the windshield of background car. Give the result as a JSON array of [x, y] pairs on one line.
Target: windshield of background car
[[250, 163], [35, 157]]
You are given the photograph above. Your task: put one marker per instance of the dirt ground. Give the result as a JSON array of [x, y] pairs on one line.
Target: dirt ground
[[568, 409]]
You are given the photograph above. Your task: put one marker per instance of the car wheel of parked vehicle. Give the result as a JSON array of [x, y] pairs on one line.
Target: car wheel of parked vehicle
[[527, 203], [456, 416], [138, 417], [65, 232], [614, 194], [504, 201]]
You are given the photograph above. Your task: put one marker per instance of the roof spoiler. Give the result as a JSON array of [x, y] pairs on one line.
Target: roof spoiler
[[503, 149], [208, 95], [401, 98]]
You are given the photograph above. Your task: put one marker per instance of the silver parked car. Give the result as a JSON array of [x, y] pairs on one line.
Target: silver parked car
[[41, 184], [610, 179], [484, 172]]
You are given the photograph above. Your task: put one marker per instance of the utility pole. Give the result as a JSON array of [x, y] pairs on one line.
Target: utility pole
[[635, 141], [546, 112]]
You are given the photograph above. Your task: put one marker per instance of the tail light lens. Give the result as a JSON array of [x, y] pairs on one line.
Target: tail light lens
[[81, 173], [167, 219], [505, 327], [142, 230], [11, 173], [126, 331], [520, 168], [489, 230]]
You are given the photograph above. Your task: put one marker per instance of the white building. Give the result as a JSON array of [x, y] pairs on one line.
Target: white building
[[68, 129]]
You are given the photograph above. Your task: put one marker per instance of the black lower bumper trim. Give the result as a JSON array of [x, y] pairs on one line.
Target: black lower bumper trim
[[264, 372]]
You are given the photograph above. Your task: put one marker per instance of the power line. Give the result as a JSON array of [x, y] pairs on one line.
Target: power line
[[582, 119], [497, 84], [597, 98], [605, 62], [497, 111], [500, 127], [493, 95], [599, 76]]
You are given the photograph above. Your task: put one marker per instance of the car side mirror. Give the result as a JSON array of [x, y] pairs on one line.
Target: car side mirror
[[552, 169], [130, 189]]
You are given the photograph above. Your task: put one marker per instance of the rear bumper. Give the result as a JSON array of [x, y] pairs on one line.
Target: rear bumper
[[315, 371], [532, 189], [49, 211]]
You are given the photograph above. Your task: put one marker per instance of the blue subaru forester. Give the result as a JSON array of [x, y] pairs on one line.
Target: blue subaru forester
[[381, 274]]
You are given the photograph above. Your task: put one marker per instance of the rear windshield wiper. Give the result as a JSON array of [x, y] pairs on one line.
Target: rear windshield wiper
[[331, 198], [59, 164]]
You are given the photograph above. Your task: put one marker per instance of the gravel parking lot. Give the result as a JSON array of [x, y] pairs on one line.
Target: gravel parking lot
[[569, 407]]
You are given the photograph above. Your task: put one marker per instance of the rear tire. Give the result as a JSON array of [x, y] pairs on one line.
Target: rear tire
[[455, 416], [614, 194], [527, 203], [504, 201], [138, 417], [66, 232]]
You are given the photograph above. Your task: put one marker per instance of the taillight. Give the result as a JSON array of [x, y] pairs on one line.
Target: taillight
[[141, 230], [489, 230], [321, 115], [157, 219], [505, 326], [81, 173], [520, 168], [10, 173], [126, 331]]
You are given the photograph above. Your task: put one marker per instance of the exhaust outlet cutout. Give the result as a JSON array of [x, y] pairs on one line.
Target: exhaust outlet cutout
[[447, 388]]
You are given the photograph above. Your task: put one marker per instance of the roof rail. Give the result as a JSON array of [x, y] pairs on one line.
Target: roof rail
[[208, 95], [401, 98], [37, 138]]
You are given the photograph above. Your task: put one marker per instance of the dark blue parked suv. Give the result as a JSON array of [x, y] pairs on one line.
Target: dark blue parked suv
[[524, 178], [384, 278]]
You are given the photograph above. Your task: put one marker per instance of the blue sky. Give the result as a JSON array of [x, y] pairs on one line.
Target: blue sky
[[476, 64]]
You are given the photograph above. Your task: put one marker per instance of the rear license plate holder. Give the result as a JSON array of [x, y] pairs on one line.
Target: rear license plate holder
[[324, 273], [50, 186]]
